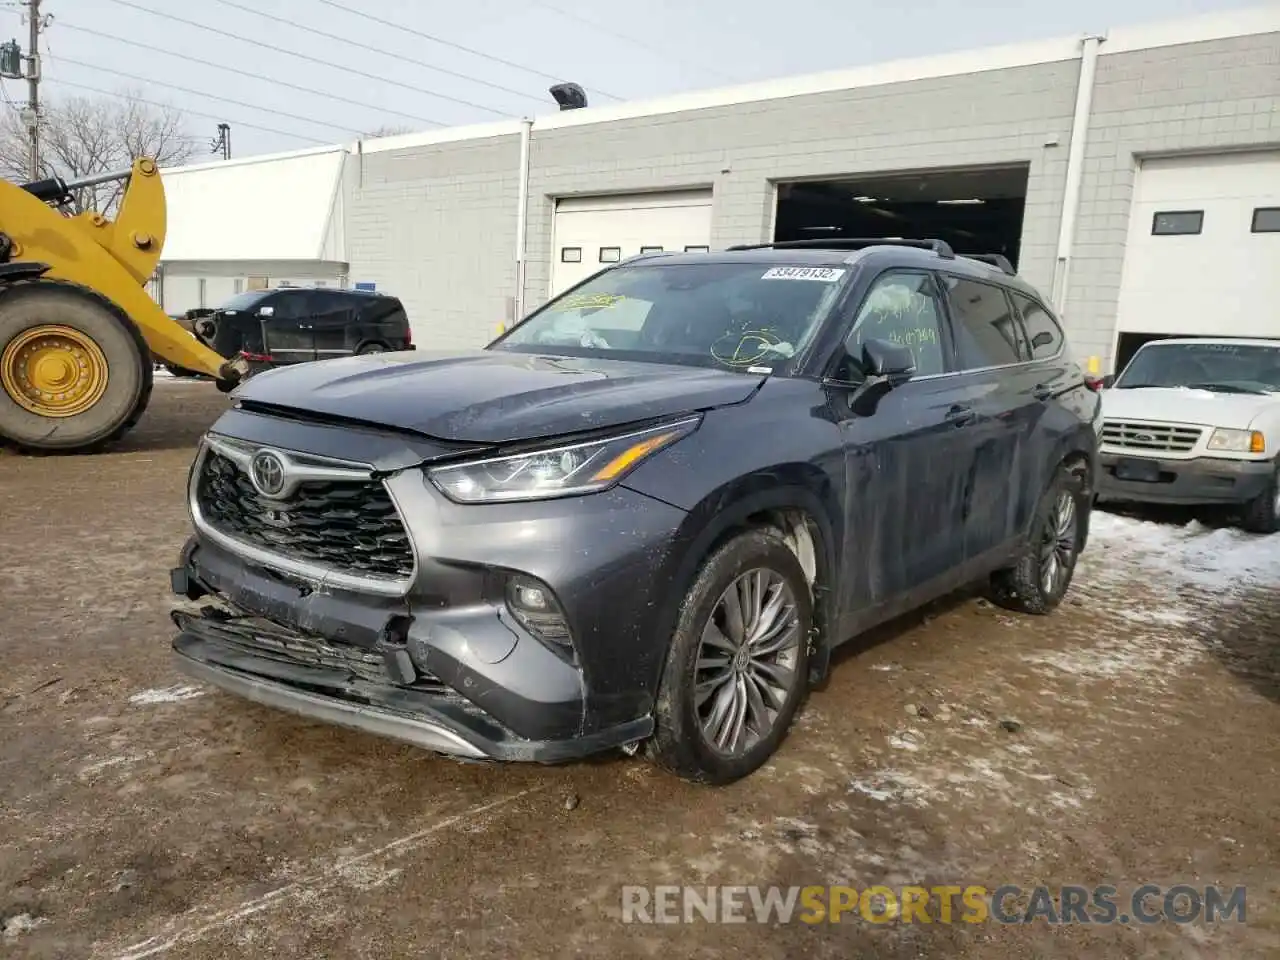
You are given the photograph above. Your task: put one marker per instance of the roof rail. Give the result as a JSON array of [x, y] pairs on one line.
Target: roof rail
[[995, 259], [940, 247]]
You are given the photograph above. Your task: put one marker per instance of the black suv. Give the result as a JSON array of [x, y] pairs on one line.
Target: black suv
[[646, 513], [289, 325]]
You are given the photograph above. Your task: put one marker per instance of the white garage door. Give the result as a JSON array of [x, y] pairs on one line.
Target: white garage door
[[592, 232], [1203, 255]]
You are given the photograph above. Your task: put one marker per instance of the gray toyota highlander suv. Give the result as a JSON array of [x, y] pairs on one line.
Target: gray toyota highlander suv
[[648, 512]]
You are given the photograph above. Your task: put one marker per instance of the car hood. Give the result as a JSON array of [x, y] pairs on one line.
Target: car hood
[[489, 396], [1181, 405]]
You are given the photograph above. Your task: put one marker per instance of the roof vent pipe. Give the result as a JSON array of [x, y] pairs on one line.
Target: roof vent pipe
[[1075, 168]]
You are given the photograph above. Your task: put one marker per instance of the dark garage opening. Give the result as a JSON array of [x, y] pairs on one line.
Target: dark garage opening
[[977, 210], [1128, 344]]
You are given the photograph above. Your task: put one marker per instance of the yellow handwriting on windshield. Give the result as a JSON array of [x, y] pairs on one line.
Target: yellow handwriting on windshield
[[590, 301]]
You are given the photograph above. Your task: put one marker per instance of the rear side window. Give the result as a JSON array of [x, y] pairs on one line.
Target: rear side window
[[983, 323], [1042, 330]]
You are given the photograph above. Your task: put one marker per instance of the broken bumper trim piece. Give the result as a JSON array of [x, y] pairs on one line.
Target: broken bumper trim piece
[[441, 723], [419, 732]]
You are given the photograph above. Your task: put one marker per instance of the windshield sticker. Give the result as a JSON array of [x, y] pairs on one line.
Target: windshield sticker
[[590, 301], [821, 274]]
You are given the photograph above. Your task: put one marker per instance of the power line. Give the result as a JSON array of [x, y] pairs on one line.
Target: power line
[[99, 34], [194, 113], [328, 64], [657, 51], [380, 51], [208, 96], [456, 46]]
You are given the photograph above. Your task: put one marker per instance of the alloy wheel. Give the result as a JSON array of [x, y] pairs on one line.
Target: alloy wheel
[[747, 659], [1057, 553]]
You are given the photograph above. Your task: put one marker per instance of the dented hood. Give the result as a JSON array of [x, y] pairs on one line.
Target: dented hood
[[495, 397]]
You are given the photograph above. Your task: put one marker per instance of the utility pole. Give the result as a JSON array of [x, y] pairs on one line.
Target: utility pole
[[222, 142], [33, 87]]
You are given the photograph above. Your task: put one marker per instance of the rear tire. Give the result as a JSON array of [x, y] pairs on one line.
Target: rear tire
[[55, 333], [725, 705], [372, 348], [1038, 580], [1262, 513]]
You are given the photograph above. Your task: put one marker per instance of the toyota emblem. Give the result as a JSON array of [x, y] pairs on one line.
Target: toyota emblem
[[267, 471]]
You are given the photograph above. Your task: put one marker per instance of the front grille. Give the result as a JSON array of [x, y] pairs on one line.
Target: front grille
[[1150, 437], [270, 641], [262, 640], [349, 526]]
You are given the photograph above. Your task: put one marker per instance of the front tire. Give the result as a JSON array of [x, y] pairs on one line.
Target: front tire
[[1262, 513], [74, 373], [1038, 580], [737, 668]]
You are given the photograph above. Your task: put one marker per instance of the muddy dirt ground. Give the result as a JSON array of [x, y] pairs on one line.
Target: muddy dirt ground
[[141, 817]]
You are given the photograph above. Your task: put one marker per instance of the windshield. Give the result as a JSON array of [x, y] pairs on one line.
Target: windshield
[[734, 315], [1222, 367], [243, 301]]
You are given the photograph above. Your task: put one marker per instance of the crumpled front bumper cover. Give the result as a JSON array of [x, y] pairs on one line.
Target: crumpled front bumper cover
[[379, 689]]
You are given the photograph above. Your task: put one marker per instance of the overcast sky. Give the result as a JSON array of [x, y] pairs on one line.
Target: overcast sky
[[627, 51]]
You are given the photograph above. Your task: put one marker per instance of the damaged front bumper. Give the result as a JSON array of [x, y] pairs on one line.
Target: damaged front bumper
[[366, 663]]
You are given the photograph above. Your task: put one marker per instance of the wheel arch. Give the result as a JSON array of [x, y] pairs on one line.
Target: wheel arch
[[799, 508], [1081, 460]]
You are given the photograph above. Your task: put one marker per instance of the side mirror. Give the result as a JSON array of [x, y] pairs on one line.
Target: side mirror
[[1108, 381], [1042, 339], [888, 361]]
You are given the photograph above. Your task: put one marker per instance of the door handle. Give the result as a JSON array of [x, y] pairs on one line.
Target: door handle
[[960, 415], [1042, 392]]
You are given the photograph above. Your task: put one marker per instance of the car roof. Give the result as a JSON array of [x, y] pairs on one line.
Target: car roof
[[1229, 341], [877, 255], [341, 291]]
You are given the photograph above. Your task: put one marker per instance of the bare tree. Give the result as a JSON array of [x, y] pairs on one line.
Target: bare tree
[[83, 136]]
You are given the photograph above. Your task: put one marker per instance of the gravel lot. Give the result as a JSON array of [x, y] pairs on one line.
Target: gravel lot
[[143, 817]]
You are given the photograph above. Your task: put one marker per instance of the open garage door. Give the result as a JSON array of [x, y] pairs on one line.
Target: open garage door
[[1203, 251], [592, 232], [976, 210]]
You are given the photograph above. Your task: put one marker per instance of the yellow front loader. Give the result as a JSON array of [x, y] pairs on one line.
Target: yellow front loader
[[77, 328]]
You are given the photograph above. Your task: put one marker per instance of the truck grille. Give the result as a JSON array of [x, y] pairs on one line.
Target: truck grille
[[1150, 437], [349, 526]]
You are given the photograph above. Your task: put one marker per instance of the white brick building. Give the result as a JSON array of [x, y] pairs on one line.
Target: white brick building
[[1079, 149]]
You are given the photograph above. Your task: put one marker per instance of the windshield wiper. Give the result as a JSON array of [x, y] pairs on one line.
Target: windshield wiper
[[1224, 388]]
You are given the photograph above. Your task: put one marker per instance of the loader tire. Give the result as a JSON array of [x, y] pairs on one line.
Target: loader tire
[[75, 373]]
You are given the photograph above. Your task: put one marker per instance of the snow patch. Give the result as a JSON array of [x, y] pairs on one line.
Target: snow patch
[[22, 923], [907, 740], [166, 695], [1222, 560], [99, 765]]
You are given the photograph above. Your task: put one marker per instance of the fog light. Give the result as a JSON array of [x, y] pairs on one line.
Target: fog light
[[533, 604]]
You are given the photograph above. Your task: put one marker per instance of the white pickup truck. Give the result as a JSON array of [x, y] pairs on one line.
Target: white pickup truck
[[1196, 421]]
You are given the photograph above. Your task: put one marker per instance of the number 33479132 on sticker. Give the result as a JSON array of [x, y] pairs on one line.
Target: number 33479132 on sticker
[[821, 274]]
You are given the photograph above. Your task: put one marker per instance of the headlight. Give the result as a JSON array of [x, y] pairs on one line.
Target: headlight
[[1236, 441], [556, 471]]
